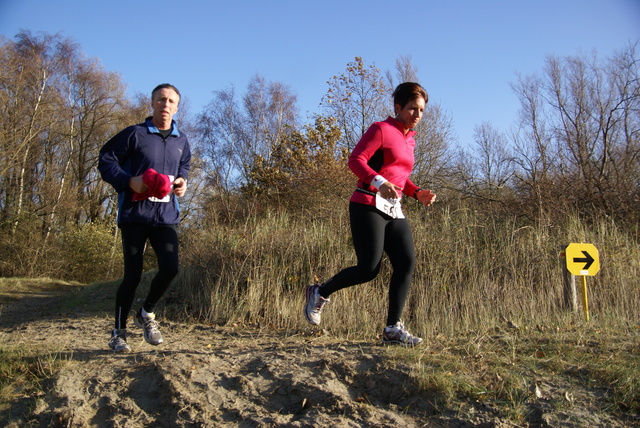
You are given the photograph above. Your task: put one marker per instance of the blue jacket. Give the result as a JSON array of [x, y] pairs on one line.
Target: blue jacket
[[130, 153]]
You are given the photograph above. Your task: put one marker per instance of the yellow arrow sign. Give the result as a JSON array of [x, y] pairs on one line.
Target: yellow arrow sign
[[582, 259]]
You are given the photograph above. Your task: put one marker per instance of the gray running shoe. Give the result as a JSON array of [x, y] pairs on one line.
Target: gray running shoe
[[314, 305], [118, 341], [151, 330], [398, 335]]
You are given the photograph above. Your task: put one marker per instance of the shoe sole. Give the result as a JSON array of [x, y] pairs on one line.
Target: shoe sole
[[397, 342]]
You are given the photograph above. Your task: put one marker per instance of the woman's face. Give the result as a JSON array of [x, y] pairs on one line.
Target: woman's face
[[411, 113]]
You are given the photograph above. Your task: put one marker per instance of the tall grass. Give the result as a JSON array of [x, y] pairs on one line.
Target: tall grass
[[473, 271]]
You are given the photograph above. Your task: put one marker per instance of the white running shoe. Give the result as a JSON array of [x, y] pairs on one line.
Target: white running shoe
[[398, 335], [151, 330], [118, 341], [314, 305]]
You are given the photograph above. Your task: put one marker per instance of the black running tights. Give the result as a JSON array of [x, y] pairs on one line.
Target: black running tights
[[374, 233], [164, 241]]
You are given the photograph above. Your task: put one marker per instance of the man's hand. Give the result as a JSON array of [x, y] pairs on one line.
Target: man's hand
[[137, 185], [426, 197], [179, 186]]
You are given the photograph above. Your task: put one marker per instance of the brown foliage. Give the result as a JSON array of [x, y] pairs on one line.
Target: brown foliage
[[306, 170]]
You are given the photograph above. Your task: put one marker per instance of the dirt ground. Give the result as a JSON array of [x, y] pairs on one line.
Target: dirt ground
[[209, 376]]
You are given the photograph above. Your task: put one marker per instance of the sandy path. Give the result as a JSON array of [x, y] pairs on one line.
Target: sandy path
[[209, 376]]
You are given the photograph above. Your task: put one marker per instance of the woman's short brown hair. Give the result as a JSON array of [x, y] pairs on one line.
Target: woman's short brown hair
[[408, 91]]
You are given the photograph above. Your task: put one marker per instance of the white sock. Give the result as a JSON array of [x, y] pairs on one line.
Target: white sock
[[145, 314]]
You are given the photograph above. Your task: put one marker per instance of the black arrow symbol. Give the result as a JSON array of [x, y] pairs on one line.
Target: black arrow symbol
[[588, 260]]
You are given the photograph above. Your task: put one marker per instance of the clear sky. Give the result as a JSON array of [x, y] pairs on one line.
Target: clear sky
[[467, 52]]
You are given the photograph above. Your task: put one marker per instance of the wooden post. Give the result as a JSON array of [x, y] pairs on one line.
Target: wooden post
[[585, 299], [570, 294]]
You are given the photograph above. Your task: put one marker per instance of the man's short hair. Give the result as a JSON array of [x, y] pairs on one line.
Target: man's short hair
[[165, 86]]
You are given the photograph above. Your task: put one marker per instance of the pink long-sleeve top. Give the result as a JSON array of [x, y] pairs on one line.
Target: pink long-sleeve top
[[383, 150]]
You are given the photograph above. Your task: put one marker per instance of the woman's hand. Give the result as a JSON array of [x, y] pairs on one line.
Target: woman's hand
[[426, 197], [388, 190]]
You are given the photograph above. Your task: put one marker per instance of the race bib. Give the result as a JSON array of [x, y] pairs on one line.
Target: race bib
[[390, 207]]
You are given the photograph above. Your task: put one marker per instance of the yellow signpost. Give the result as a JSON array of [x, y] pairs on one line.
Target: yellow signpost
[[583, 260]]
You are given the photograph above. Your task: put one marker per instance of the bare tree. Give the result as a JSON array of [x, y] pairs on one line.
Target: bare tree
[[232, 138], [536, 156], [30, 90], [271, 113], [57, 109], [579, 129], [94, 100], [405, 70], [495, 161], [485, 170], [223, 141], [357, 98]]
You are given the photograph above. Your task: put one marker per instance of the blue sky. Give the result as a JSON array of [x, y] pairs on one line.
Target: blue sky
[[467, 52]]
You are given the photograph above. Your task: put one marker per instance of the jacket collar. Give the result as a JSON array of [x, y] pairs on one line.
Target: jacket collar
[[154, 130], [399, 126]]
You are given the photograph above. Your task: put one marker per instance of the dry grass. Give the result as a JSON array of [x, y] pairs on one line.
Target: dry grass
[[487, 298], [472, 273], [25, 370], [12, 289], [515, 370]]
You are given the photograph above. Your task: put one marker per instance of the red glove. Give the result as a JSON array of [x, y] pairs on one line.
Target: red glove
[[158, 185]]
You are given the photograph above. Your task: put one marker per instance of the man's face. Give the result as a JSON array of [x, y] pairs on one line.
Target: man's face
[[165, 105]]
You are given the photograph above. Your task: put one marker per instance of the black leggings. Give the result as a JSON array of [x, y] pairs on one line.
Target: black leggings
[[164, 241], [374, 232]]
